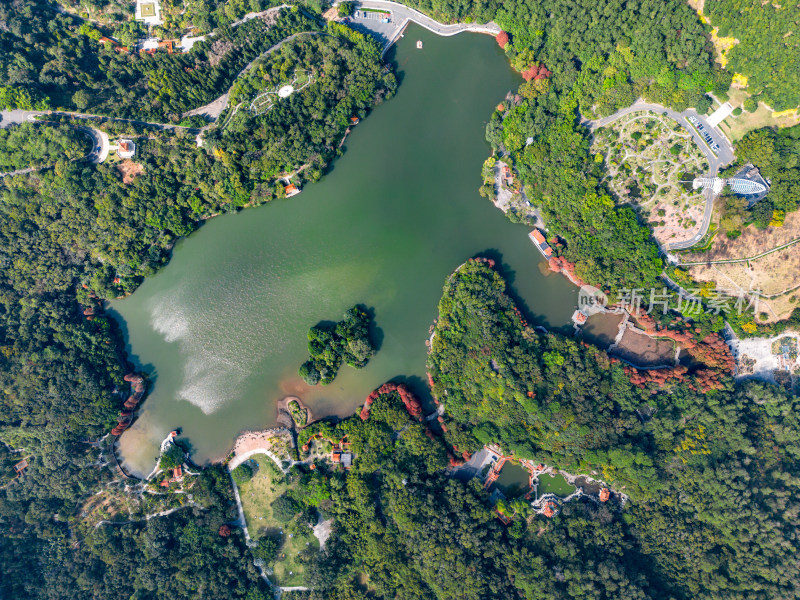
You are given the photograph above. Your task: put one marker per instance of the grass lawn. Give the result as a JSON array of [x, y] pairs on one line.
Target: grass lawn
[[257, 496], [148, 10], [736, 127]]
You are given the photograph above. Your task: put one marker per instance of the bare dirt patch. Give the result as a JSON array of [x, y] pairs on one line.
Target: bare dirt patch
[[277, 441], [129, 170], [776, 276], [697, 5], [644, 351], [770, 359], [218, 51], [753, 241]]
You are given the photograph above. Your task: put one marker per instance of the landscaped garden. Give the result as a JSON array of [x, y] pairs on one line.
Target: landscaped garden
[[280, 510], [651, 160], [259, 90]]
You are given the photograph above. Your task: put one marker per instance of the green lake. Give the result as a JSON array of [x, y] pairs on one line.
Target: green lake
[[221, 331], [514, 480], [554, 484]]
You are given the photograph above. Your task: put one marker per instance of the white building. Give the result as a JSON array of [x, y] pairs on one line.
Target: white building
[[148, 11], [126, 149]]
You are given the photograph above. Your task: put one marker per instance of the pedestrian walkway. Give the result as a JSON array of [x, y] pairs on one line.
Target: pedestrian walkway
[[402, 15]]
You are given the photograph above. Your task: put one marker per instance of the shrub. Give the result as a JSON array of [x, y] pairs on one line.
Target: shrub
[[703, 104], [242, 474], [502, 39], [267, 549], [285, 507], [346, 9]]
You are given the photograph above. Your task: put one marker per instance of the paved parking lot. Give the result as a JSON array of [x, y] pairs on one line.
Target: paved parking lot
[[372, 23]]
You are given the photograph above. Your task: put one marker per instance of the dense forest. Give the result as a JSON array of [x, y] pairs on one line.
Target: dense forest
[[189, 553], [596, 58], [712, 476], [307, 128], [52, 60], [767, 48], [33, 145], [75, 235], [201, 16], [331, 344]]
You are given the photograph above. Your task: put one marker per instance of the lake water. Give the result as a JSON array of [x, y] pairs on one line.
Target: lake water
[[601, 329], [221, 330], [514, 480]]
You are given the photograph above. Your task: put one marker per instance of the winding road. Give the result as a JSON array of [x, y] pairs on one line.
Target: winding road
[[715, 161], [100, 142]]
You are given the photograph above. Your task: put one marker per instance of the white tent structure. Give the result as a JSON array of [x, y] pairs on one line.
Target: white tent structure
[[745, 187]]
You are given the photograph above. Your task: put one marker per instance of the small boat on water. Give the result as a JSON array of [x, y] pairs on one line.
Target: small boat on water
[[419, 44]]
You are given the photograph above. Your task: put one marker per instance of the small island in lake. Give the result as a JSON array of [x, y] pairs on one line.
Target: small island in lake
[[331, 344]]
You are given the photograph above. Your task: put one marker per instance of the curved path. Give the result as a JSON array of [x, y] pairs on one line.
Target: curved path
[[11, 117], [163, 513], [97, 154], [255, 15], [715, 161], [402, 15], [100, 144], [239, 459], [214, 108]]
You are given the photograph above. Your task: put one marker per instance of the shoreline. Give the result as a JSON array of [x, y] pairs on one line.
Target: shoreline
[[406, 14]]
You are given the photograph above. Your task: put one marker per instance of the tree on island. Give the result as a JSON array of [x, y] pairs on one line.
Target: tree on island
[[330, 345]]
